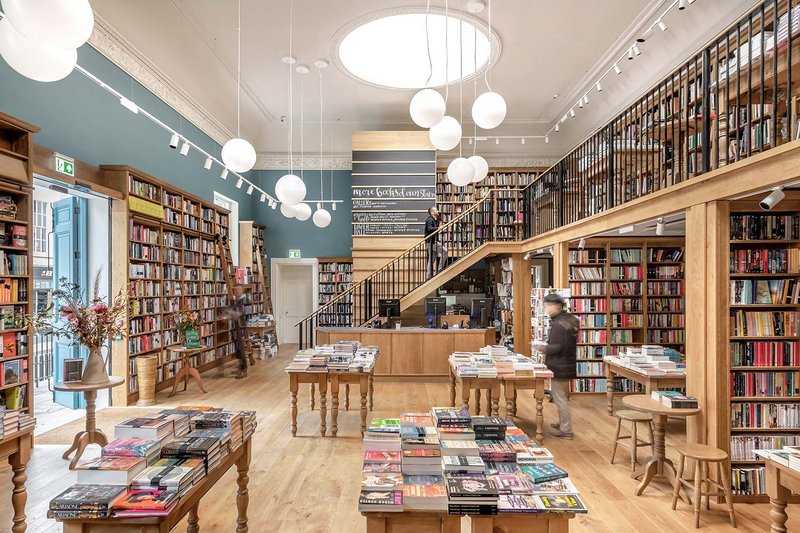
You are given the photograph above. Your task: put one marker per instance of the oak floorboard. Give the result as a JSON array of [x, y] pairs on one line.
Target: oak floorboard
[[309, 484]]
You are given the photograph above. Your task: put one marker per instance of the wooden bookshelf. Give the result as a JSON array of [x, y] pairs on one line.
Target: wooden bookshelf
[[626, 292], [335, 277], [165, 249], [16, 260], [253, 257], [764, 347], [500, 285]]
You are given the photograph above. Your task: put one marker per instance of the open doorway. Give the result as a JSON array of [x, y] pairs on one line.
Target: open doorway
[[70, 240], [295, 283]]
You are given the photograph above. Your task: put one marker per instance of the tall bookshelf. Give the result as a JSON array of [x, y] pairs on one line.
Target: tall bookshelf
[[764, 350], [166, 251], [16, 263], [502, 291], [335, 278], [625, 292], [252, 257]]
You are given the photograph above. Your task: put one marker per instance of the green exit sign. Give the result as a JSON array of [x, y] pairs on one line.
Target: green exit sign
[[294, 254], [65, 165]]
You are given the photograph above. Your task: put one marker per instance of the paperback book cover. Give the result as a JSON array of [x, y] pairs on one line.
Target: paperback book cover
[[373, 482], [557, 486], [539, 473], [389, 500], [382, 457], [562, 502], [147, 499], [131, 447], [517, 503], [88, 497], [470, 487], [381, 468]]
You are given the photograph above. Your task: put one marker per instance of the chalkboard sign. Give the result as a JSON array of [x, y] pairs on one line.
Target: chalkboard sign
[[392, 191]]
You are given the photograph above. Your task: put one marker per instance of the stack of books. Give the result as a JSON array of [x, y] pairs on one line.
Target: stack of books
[[489, 428], [110, 470], [205, 448], [300, 361], [179, 419], [86, 501], [674, 400], [230, 422], [422, 454], [650, 360], [146, 449], [506, 365], [145, 428], [26, 421], [10, 421], [145, 503], [344, 356], [178, 475], [383, 434], [386, 464], [249, 424]]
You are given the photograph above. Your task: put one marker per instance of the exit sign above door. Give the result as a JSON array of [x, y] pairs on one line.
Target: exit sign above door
[[295, 254]]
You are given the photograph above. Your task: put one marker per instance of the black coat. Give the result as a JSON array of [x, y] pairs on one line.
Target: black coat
[[560, 348], [431, 225]]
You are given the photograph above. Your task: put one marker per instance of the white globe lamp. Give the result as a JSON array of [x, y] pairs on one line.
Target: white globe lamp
[[290, 189], [446, 134], [62, 24], [322, 218], [302, 212], [427, 108], [460, 171], [33, 60], [288, 211], [239, 155], [481, 168], [489, 110]]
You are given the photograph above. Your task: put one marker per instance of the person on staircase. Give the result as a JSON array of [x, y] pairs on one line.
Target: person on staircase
[[435, 248]]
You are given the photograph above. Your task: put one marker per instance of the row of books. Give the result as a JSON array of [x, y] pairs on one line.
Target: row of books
[[674, 399], [447, 460], [14, 420], [13, 264], [765, 353], [14, 235], [13, 290], [627, 255], [650, 360], [765, 323], [496, 362], [153, 462], [765, 415], [579, 273], [765, 291], [765, 384], [743, 447], [343, 356], [764, 227], [765, 261]]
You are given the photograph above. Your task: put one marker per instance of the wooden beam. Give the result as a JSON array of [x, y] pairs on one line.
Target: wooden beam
[[561, 265], [521, 303], [391, 140]]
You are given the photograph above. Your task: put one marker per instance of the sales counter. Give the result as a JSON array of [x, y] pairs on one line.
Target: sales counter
[[412, 352]]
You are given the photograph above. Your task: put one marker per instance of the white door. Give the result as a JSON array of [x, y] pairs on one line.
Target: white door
[[296, 298]]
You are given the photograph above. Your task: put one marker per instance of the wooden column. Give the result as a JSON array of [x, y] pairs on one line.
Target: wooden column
[[707, 234], [521, 303], [119, 279], [561, 265]]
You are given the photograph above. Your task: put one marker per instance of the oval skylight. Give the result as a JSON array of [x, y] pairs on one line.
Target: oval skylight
[[391, 51]]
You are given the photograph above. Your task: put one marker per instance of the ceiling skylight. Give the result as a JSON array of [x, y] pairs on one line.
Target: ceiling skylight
[[391, 51]]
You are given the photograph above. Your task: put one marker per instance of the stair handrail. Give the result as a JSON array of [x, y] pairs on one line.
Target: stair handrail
[[339, 298]]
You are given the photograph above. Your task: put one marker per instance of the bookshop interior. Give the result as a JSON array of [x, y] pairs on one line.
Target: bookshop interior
[[395, 266]]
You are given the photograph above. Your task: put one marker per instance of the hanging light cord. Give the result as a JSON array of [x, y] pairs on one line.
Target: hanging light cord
[[239, 74], [489, 64], [428, 45], [460, 72], [475, 86], [321, 188], [302, 129], [446, 52], [291, 110]]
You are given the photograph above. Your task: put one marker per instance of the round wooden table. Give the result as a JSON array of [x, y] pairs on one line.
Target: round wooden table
[[186, 371], [655, 464], [91, 435]]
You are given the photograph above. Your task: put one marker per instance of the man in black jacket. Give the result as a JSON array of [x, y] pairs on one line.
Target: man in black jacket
[[432, 238], [560, 359]]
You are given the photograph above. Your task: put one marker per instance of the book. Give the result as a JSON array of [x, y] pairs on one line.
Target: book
[[424, 493], [381, 468], [556, 486], [109, 471], [469, 487], [88, 497], [451, 417], [460, 447], [381, 482], [534, 455], [560, 502], [382, 457], [144, 428], [146, 499], [517, 503], [429, 456], [539, 473], [380, 501], [462, 463], [132, 447], [165, 477]]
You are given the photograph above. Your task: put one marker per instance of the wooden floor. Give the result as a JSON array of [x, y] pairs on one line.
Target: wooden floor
[[310, 484]]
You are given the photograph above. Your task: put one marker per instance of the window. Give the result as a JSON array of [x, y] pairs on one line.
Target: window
[[40, 211], [233, 206]]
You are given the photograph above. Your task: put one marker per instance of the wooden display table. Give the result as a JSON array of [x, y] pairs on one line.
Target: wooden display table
[[320, 379], [522, 523], [16, 448], [188, 504], [469, 384], [186, 370], [364, 382], [413, 522], [91, 435], [781, 482], [650, 383], [512, 384], [655, 464]]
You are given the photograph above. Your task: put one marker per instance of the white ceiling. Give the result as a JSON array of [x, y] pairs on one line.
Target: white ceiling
[[548, 47]]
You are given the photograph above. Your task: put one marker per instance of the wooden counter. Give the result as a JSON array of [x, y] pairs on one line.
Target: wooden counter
[[412, 352]]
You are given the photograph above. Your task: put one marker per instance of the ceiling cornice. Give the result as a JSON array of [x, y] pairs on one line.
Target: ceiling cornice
[[106, 40], [267, 161]]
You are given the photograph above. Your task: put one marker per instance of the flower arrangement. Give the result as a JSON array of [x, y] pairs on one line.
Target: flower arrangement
[[186, 320]]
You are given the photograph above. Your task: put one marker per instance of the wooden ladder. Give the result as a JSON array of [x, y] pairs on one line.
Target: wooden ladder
[[267, 294], [224, 251]]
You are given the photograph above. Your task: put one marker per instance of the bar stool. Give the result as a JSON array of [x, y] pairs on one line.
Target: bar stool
[[635, 418], [703, 455]]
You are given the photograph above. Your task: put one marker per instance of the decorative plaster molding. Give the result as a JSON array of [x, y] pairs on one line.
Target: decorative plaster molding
[[309, 162], [522, 162], [122, 53]]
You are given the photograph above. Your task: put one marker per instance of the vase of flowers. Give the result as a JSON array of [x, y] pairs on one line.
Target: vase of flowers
[[187, 323]]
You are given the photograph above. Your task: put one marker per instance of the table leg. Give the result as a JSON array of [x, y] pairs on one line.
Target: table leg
[[195, 374], [323, 406], [364, 392], [293, 391], [465, 395], [19, 495], [242, 494], [452, 388], [655, 465], [514, 406], [777, 515], [371, 389], [778, 497], [508, 392], [311, 400], [538, 395], [494, 395], [74, 446], [193, 523], [346, 396], [334, 405], [478, 402], [609, 391], [177, 379]]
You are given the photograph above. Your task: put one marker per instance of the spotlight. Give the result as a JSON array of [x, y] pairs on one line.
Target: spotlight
[[636, 50], [185, 148], [617, 69], [250, 190], [660, 226], [333, 206], [586, 99], [558, 128], [581, 244], [224, 174], [274, 205], [546, 139], [132, 107], [526, 256], [470, 141], [572, 112], [630, 53], [263, 197], [772, 200], [319, 206], [681, 4], [173, 141], [208, 163], [497, 141], [475, 6], [551, 250], [239, 183], [580, 103], [523, 140], [599, 87], [564, 118], [661, 25]]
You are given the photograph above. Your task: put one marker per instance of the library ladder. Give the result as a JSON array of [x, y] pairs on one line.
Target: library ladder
[[224, 251], [267, 294]]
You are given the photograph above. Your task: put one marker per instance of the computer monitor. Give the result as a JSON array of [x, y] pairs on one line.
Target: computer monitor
[[389, 308], [433, 308], [481, 310]]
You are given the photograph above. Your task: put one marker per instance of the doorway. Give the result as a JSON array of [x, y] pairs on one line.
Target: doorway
[[66, 219], [295, 284]]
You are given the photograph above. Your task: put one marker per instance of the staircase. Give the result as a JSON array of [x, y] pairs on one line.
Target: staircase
[[405, 277]]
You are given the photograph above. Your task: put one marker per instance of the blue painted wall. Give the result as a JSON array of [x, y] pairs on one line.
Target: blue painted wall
[[284, 234], [82, 120]]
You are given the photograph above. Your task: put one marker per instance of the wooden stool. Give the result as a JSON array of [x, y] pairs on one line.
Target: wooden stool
[[703, 455], [634, 417]]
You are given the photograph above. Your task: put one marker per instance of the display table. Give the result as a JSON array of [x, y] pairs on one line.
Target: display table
[[16, 449], [413, 521], [650, 383], [320, 379], [91, 435], [332, 381], [655, 465], [781, 482], [412, 353], [364, 382], [512, 384], [186, 370], [522, 523], [468, 384], [188, 504]]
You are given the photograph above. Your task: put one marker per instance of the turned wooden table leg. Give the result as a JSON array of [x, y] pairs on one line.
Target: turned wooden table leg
[[91, 435], [538, 394], [478, 402], [346, 396], [311, 399], [371, 389], [452, 389], [323, 406], [494, 394], [193, 522], [778, 497], [193, 372], [609, 392], [465, 395], [364, 384], [293, 391], [242, 494], [19, 495], [656, 464], [508, 391], [334, 405]]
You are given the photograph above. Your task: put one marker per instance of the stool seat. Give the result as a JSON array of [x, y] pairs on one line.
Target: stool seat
[[702, 452], [633, 416]]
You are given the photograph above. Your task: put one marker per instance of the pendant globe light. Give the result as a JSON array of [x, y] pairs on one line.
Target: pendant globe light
[[289, 211], [238, 154], [322, 217], [481, 167], [489, 109], [35, 61], [290, 189], [302, 212], [61, 24], [427, 108], [460, 171]]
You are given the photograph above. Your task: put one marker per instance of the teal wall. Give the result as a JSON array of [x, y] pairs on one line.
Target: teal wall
[[284, 234], [82, 120]]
